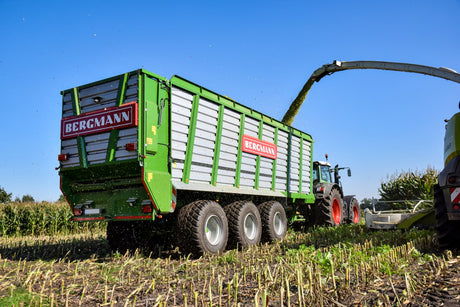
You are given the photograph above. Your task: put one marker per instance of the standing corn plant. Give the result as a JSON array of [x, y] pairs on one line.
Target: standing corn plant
[[410, 185]]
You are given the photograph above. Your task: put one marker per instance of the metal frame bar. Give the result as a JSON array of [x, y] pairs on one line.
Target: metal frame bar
[[191, 139], [220, 124]]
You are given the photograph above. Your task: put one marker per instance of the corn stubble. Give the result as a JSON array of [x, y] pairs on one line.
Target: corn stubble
[[321, 266]]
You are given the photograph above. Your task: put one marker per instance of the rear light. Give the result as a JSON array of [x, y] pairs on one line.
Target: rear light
[[77, 211], [456, 207], [62, 157], [452, 179], [147, 208], [130, 146]]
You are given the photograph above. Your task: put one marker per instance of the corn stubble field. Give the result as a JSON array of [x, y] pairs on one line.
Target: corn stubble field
[[57, 263]]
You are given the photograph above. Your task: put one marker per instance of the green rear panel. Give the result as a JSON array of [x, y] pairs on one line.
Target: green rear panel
[[101, 176]]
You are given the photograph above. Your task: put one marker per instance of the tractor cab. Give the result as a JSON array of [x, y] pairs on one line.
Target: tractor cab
[[322, 172]]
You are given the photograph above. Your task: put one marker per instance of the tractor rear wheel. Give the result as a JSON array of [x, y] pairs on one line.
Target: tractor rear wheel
[[274, 221], [448, 232], [329, 210], [202, 228], [244, 224]]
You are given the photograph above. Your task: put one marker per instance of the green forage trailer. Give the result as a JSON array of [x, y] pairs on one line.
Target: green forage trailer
[[156, 156]]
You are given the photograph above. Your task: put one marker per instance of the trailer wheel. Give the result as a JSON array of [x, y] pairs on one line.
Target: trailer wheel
[[202, 228], [355, 214], [447, 231], [329, 210], [274, 221], [244, 224]]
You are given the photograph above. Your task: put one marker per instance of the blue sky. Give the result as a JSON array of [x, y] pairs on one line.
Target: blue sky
[[260, 53]]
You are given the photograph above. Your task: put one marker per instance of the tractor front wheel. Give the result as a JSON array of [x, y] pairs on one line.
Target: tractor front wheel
[[329, 210]]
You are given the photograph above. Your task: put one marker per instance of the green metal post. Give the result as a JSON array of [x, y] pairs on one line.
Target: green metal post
[[113, 139], [191, 139], [300, 164], [257, 179], [240, 152], [274, 162], [215, 165]]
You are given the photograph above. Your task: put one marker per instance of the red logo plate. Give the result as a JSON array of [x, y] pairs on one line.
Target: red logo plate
[[257, 147], [100, 121]]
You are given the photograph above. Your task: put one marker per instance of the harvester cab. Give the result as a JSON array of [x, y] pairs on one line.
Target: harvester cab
[[447, 191]]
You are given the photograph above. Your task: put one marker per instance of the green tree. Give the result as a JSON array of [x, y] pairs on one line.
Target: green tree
[[409, 185], [366, 203], [4, 196], [27, 199]]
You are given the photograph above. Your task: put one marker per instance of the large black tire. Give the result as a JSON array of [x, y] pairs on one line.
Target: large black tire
[[448, 232], [244, 224], [274, 221], [330, 209], [354, 213], [202, 227]]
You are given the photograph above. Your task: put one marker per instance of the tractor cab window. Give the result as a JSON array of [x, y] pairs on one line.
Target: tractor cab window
[[315, 174], [325, 174]]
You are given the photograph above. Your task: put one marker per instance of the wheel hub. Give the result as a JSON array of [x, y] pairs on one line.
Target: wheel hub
[[250, 226], [336, 212], [214, 229], [278, 226]]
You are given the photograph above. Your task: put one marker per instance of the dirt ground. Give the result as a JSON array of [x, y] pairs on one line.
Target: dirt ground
[[70, 273], [432, 287]]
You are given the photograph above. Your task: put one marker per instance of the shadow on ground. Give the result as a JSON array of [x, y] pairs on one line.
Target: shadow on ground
[[78, 249]]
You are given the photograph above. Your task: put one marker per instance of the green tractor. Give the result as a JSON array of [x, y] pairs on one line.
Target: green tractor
[[331, 207], [447, 191]]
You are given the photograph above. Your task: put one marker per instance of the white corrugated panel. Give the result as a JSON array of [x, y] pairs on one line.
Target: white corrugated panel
[[306, 163], [266, 164], [205, 137], [249, 161], [70, 148], [228, 147], [295, 164], [96, 147], [181, 108], [67, 105], [126, 136], [281, 161]]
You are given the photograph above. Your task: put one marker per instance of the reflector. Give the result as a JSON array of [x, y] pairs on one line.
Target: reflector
[[130, 146]]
